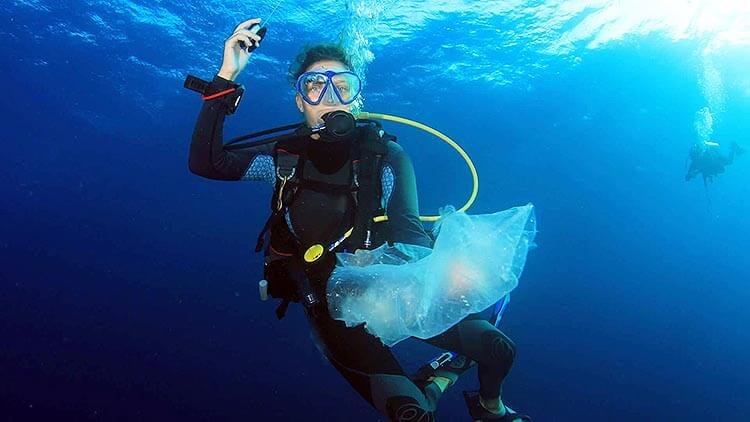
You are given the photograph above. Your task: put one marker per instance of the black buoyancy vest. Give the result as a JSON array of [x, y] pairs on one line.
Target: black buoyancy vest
[[322, 190], [326, 189]]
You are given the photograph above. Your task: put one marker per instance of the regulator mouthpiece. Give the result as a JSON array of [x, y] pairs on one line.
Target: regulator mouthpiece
[[338, 126]]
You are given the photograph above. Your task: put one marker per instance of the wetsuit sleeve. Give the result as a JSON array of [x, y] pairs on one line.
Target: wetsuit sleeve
[[209, 159], [403, 206]]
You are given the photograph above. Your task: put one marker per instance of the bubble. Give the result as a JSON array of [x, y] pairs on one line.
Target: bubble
[[704, 123]]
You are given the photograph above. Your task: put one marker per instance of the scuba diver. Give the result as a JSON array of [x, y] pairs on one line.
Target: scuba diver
[[331, 177], [706, 159]]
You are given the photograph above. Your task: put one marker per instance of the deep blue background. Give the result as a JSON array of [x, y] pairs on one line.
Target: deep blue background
[[128, 288]]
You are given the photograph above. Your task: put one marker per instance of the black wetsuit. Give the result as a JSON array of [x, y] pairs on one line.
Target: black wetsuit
[[361, 358], [709, 161]]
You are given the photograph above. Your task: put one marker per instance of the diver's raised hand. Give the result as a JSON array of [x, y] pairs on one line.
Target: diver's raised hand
[[235, 56]]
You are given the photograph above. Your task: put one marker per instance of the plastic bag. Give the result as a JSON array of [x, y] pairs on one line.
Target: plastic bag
[[401, 291]]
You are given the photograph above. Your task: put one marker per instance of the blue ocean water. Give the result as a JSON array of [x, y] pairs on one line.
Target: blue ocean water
[[128, 289]]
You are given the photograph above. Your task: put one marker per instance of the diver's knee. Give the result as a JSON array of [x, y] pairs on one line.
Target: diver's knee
[[408, 409], [500, 348]]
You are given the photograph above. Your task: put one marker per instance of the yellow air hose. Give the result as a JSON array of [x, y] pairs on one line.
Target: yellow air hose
[[446, 139]]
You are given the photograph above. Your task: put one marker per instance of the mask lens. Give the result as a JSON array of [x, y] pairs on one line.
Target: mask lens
[[311, 86], [348, 86]]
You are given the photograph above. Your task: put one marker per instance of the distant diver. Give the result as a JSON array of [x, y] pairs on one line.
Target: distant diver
[[330, 174], [707, 159]]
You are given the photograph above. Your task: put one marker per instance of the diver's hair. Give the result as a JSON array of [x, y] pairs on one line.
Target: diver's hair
[[315, 53]]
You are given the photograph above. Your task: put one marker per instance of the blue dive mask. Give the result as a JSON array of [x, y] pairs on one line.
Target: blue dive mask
[[330, 86]]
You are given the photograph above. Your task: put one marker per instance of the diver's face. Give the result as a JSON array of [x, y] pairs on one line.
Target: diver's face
[[313, 113]]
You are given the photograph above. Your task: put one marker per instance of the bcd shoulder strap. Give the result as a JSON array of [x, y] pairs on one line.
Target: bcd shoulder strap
[[373, 149], [287, 159]]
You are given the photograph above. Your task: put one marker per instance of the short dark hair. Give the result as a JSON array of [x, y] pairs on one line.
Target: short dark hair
[[315, 53]]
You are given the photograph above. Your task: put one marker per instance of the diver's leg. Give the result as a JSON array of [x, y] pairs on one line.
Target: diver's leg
[[482, 342], [373, 371]]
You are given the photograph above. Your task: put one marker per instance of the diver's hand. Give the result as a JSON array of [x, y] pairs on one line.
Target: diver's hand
[[235, 57]]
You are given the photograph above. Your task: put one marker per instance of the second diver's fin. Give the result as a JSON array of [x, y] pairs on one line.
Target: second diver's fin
[[738, 150]]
